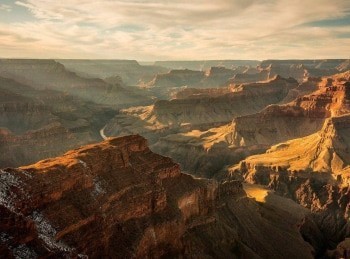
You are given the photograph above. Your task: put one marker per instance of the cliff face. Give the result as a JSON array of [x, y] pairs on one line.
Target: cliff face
[[301, 117], [314, 171], [324, 151], [118, 199], [200, 113], [176, 78], [36, 124], [174, 81]]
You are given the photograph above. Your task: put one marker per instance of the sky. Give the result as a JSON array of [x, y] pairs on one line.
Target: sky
[[148, 30]]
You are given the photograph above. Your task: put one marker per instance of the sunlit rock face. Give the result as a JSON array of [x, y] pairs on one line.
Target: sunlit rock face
[[202, 112], [118, 199], [314, 171], [315, 100], [254, 133]]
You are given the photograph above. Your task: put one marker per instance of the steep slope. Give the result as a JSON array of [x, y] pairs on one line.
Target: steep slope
[[49, 74], [301, 117], [177, 78], [199, 113], [325, 151], [314, 171], [36, 124], [118, 199], [206, 152]]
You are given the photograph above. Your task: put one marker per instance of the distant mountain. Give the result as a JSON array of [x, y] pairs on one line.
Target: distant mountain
[[49, 74]]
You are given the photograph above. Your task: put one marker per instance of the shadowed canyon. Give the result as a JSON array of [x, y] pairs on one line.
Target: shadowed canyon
[[174, 159]]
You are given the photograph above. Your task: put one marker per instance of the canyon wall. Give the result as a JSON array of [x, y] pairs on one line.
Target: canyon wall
[[118, 199]]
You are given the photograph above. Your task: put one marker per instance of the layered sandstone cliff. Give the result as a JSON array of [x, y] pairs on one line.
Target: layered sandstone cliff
[[301, 117], [314, 171], [179, 115], [118, 199], [36, 124]]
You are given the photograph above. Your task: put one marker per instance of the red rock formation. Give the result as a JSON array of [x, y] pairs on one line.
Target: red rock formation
[[203, 112], [118, 199], [314, 171], [301, 117]]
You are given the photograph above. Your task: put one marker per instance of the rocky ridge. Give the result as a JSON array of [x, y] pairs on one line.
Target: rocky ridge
[[37, 124], [314, 171], [180, 115], [119, 199]]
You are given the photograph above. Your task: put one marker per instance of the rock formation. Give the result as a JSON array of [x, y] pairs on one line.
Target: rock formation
[[36, 124], [206, 152], [314, 171], [301, 117], [118, 199], [177, 78], [199, 113]]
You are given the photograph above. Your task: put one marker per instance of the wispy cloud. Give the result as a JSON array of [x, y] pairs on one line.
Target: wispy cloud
[[5, 7], [197, 29]]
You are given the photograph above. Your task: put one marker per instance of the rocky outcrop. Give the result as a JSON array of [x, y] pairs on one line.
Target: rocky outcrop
[[36, 124], [180, 115], [177, 78], [272, 125], [314, 172], [204, 153], [197, 93], [118, 199], [246, 77], [169, 84], [301, 117], [325, 151]]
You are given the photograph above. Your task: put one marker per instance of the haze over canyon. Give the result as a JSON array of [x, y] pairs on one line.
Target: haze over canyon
[[233, 158], [175, 129]]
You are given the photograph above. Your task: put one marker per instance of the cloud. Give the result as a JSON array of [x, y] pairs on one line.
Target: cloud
[[5, 7], [197, 29]]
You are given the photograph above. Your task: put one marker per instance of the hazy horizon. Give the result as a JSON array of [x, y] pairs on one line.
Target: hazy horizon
[[161, 30]]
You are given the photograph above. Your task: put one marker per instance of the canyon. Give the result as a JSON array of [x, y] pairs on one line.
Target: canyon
[[218, 158], [160, 211]]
